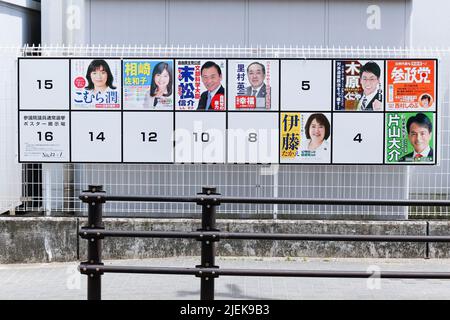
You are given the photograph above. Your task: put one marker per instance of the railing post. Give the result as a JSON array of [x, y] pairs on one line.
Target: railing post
[[208, 249], [94, 197]]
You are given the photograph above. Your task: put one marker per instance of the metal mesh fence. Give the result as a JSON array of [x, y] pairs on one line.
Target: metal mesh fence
[[51, 188]]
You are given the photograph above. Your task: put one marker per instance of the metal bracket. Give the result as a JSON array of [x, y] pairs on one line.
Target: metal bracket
[[208, 200], [90, 235], [208, 236], [93, 197], [86, 268], [209, 274]]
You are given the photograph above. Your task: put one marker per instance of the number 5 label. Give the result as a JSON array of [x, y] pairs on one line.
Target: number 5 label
[[305, 85]]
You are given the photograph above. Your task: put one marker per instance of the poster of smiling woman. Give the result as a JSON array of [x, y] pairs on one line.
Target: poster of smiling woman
[[305, 137], [96, 83]]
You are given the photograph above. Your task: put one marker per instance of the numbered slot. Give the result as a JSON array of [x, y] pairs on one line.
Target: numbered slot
[[252, 138], [96, 137], [306, 85], [200, 137], [148, 137], [358, 138], [44, 136], [43, 84]]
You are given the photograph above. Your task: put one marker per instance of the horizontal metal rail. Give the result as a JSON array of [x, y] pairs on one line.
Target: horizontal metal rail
[[258, 236], [215, 272], [218, 199]]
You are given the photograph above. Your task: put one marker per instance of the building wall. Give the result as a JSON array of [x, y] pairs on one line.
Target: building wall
[[250, 22], [19, 25]]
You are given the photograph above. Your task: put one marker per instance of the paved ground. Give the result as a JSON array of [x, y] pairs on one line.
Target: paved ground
[[62, 281]]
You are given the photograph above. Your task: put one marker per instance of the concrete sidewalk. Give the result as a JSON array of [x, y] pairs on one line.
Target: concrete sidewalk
[[62, 281]]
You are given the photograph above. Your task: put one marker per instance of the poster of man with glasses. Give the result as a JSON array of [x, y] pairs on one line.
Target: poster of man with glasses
[[358, 85]]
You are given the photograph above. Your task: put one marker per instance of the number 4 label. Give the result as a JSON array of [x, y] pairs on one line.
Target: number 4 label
[[358, 138]]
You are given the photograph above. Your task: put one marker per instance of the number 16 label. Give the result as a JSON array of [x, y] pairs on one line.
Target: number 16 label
[[44, 136]]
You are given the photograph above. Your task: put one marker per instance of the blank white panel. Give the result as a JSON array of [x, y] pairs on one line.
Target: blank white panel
[[200, 137], [252, 138], [148, 137], [306, 85], [44, 84], [357, 138], [96, 136]]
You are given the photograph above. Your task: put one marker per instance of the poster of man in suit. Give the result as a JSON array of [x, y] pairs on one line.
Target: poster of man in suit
[[410, 137], [253, 85], [200, 85], [359, 85]]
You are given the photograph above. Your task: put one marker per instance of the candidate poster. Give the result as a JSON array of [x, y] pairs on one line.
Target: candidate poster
[[96, 84], [148, 84], [411, 85], [359, 85], [410, 138], [253, 85], [200, 85], [305, 137]]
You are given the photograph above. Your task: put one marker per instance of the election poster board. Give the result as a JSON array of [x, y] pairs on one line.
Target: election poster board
[[218, 110]]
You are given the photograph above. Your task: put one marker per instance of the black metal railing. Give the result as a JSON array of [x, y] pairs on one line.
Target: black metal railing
[[208, 235]]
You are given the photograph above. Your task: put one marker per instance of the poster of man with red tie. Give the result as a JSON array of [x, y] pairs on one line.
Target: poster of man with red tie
[[200, 84], [410, 137]]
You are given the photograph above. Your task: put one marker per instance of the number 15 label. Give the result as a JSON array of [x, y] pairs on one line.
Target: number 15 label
[[44, 84]]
